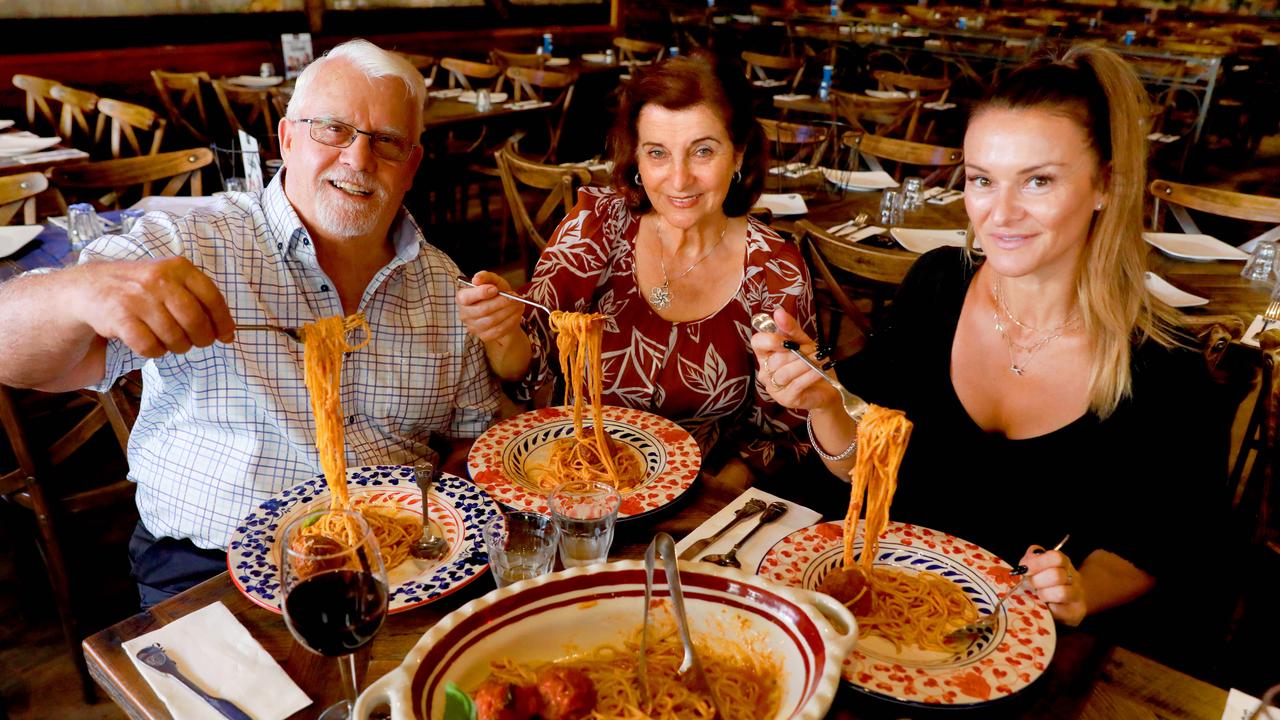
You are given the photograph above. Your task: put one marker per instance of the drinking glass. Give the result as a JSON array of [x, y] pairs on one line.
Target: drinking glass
[[83, 225], [129, 218], [335, 592], [235, 184], [521, 545], [891, 207], [1261, 264], [585, 513], [912, 193], [484, 102]]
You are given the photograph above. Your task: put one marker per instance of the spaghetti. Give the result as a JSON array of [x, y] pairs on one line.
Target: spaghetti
[[325, 342], [745, 679], [587, 456], [906, 608]]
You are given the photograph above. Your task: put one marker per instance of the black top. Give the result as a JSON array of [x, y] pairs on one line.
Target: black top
[[1132, 484]]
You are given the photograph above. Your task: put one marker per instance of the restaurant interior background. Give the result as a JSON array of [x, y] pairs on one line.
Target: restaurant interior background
[[111, 47]]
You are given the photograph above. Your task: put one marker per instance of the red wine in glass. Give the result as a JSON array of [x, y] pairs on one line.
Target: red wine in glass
[[335, 590]]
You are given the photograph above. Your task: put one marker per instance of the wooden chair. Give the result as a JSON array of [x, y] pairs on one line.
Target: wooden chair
[[1260, 504], [879, 116], [631, 50], [772, 68], [506, 59], [942, 161], [182, 96], [847, 270], [18, 192], [556, 189], [133, 176], [923, 90], [65, 458], [425, 64], [794, 142], [249, 109], [547, 86], [1179, 198], [39, 91], [470, 75], [126, 120], [78, 106]]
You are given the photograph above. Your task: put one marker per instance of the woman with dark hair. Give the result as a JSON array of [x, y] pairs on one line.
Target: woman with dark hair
[[670, 255], [1050, 392]]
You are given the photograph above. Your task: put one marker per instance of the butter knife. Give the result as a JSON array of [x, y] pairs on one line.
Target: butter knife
[[754, 506]]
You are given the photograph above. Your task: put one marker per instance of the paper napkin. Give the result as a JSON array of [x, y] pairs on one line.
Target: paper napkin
[[1240, 706], [1255, 329], [783, 203], [216, 653], [753, 552]]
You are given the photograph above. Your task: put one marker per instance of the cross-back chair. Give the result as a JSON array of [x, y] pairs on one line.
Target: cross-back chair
[[795, 142], [182, 95], [1178, 198], [547, 86], [769, 69], [39, 91], [1260, 504], [471, 75], [127, 120], [940, 162], [846, 272], [18, 193], [425, 64], [133, 177], [923, 90], [64, 457], [881, 116], [631, 50], [249, 109], [553, 189], [78, 107], [507, 59]]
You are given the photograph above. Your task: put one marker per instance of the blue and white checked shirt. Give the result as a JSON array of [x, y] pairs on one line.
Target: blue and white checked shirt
[[223, 428]]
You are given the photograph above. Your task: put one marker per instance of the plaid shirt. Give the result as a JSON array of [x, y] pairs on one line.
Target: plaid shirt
[[223, 428]]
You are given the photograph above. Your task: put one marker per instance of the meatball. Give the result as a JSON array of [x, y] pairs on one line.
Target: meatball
[[849, 586], [567, 693], [315, 554], [501, 700]]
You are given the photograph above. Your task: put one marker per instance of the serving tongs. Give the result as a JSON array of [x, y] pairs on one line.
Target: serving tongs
[[854, 406], [690, 670], [462, 280]]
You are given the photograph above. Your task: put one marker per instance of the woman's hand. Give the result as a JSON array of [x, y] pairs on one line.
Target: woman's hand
[[789, 381], [496, 321], [1058, 583]]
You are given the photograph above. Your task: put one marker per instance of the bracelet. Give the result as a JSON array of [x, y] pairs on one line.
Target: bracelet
[[808, 423]]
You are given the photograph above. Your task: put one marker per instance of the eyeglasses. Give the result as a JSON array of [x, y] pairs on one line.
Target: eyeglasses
[[336, 133]]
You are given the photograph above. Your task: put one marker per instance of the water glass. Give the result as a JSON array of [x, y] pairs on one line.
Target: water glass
[[129, 218], [484, 102], [891, 207], [235, 184], [521, 545], [912, 193], [585, 513], [1261, 264], [266, 69], [83, 225]]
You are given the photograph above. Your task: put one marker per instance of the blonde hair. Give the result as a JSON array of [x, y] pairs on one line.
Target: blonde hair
[[1097, 88]]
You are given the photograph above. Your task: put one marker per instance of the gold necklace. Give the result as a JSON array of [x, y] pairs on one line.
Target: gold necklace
[[660, 295], [1015, 348]]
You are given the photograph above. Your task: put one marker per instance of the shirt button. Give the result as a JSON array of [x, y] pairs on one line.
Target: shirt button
[[351, 420], [280, 246], [306, 241], [324, 288]]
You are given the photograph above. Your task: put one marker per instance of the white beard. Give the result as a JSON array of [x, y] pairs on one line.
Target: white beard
[[348, 218]]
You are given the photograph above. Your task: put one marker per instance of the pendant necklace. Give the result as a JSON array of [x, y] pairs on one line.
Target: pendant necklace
[[660, 295], [1016, 348]]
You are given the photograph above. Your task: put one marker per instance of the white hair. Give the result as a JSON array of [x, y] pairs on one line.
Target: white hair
[[373, 62]]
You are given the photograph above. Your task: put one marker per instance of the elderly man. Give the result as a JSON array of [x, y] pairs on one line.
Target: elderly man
[[225, 420]]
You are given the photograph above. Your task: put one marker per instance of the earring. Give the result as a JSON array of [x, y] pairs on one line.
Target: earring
[[637, 179], [1100, 206], [737, 176]]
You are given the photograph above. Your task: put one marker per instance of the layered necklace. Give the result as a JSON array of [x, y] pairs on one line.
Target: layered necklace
[[1027, 352], [660, 295]]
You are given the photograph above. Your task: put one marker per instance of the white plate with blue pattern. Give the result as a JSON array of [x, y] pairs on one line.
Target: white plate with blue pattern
[[459, 510]]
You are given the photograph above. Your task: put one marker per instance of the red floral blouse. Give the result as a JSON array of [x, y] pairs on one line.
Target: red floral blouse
[[701, 374]]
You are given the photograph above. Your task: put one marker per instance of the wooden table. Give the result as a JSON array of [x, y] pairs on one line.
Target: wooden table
[[57, 156], [1086, 680]]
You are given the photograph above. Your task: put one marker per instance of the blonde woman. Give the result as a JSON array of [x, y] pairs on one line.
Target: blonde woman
[[1049, 390]]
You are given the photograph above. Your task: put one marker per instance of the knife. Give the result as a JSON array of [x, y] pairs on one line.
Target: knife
[[754, 506]]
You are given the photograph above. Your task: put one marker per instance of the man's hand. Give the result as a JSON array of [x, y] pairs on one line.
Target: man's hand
[[153, 306]]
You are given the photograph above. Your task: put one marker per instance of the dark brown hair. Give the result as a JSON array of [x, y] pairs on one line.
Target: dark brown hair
[[683, 82]]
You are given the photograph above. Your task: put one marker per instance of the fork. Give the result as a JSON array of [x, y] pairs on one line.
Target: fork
[[690, 670], [1272, 313], [154, 656], [854, 406], [462, 280], [989, 619], [293, 334]]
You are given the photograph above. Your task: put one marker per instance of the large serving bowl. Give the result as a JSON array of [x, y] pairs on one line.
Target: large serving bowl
[[573, 611]]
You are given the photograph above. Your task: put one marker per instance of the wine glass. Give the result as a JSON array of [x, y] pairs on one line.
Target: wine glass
[[335, 589]]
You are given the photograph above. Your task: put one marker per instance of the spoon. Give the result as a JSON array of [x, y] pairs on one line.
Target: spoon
[[430, 546], [854, 406], [690, 670], [730, 559]]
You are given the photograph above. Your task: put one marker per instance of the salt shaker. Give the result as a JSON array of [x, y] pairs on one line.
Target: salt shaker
[[83, 225]]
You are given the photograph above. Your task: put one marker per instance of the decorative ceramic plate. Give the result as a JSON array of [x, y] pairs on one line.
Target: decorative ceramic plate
[[460, 511], [999, 663], [499, 458]]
